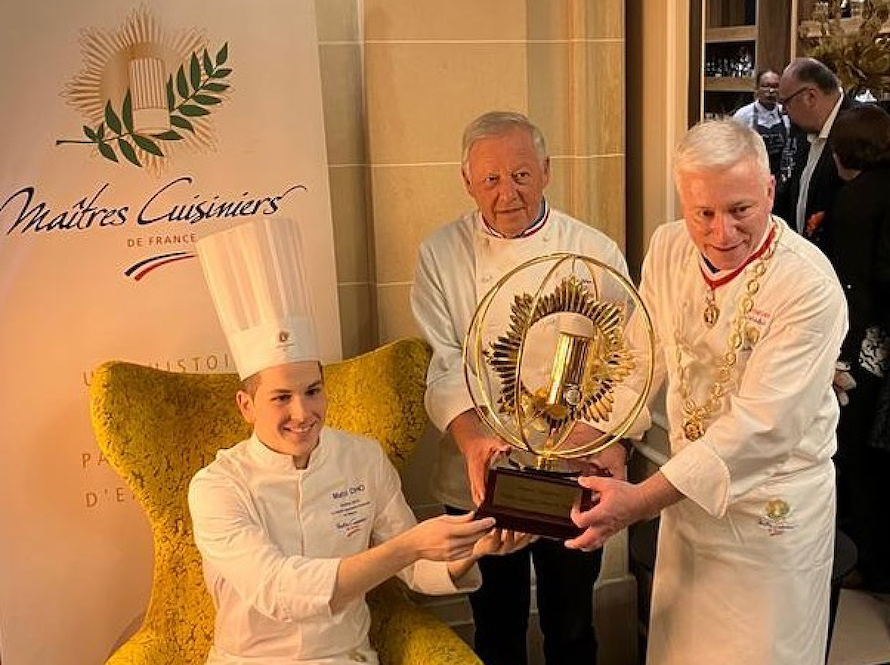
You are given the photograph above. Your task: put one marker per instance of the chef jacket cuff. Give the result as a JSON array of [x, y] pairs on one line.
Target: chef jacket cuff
[[445, 403], [700, 475], [469, 581], [433, 578]]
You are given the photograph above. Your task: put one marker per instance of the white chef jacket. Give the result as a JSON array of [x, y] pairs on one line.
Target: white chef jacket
[[735, 583], [457, 265], [271, 537]]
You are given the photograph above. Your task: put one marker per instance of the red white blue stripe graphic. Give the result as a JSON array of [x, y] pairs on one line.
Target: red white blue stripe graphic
[[140, 269]]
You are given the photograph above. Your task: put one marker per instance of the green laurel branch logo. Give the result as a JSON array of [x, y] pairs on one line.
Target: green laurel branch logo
[[191, 93]]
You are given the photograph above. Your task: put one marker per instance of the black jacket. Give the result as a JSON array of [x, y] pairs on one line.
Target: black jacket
[[824, 183], [857, 239]]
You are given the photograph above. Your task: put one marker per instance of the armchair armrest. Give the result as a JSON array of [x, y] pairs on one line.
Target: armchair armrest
[[405, 634], [146, 647]]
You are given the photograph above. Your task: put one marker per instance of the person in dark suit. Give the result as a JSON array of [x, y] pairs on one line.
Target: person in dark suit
[[811, 95], [858, 239]]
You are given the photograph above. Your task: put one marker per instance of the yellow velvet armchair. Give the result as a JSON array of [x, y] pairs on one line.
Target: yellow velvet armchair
[[158, 428]]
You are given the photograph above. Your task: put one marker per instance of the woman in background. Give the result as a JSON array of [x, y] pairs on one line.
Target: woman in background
[[858, 244]]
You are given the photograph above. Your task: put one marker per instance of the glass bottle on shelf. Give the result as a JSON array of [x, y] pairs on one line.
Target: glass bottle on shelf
[[745, 62]]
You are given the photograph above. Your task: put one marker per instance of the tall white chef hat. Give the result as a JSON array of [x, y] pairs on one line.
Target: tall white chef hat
[[255, 275]]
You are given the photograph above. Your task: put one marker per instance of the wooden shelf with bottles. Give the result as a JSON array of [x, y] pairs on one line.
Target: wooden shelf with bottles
[[731, 33], [729, 84], [738, 38]]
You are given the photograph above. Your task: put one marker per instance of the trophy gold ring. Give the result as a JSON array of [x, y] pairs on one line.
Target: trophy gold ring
[[559, 340]]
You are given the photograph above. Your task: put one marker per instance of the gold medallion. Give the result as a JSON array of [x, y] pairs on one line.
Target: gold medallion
[[712, 312], [692, 429]]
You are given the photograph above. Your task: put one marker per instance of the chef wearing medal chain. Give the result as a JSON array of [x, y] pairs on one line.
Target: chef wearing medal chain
[[749, 318], [296, 523]]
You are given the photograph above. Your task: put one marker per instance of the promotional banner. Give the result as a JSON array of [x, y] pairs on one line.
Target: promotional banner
[[129, 130]]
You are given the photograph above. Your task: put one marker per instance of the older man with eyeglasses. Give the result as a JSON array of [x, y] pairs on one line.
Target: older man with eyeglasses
[[811, 95]]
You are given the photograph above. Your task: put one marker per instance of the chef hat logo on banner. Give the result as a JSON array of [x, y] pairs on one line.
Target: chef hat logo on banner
[[255, 275], [147, 93]]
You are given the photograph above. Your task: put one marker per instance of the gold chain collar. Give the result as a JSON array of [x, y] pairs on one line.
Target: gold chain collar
[[694, 415]]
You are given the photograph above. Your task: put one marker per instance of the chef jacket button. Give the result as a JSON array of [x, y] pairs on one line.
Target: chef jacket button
[[486, 279]]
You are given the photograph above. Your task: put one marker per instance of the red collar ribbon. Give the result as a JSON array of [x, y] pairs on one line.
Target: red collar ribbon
[[714, 283]]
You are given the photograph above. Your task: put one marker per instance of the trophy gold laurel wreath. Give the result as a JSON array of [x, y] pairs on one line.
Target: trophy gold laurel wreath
[[560, 339]]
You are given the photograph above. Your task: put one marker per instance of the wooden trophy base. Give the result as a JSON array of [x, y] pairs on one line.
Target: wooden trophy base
[[533, 501]]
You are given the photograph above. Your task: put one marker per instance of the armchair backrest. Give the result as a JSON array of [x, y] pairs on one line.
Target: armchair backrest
[[158, 428]]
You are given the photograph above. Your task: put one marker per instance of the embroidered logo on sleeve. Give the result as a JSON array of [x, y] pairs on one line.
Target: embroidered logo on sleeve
[[776, 517]]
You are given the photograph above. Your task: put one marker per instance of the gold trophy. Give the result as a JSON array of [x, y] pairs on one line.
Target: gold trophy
[[548, 346]]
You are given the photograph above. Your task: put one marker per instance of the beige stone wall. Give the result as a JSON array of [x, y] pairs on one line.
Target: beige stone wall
[[342, 75], [400, 80], [657, 117]]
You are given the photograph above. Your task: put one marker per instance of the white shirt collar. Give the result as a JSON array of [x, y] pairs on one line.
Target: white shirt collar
[[715, 274], [534, 227], [829, 121], [265, 457]]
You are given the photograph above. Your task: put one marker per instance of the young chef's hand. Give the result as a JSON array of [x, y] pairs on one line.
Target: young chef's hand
[[502, 541], [448, 537]]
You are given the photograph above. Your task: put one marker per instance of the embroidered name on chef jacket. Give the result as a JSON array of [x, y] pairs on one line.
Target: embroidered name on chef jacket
[[351, 508], [756, 323]]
